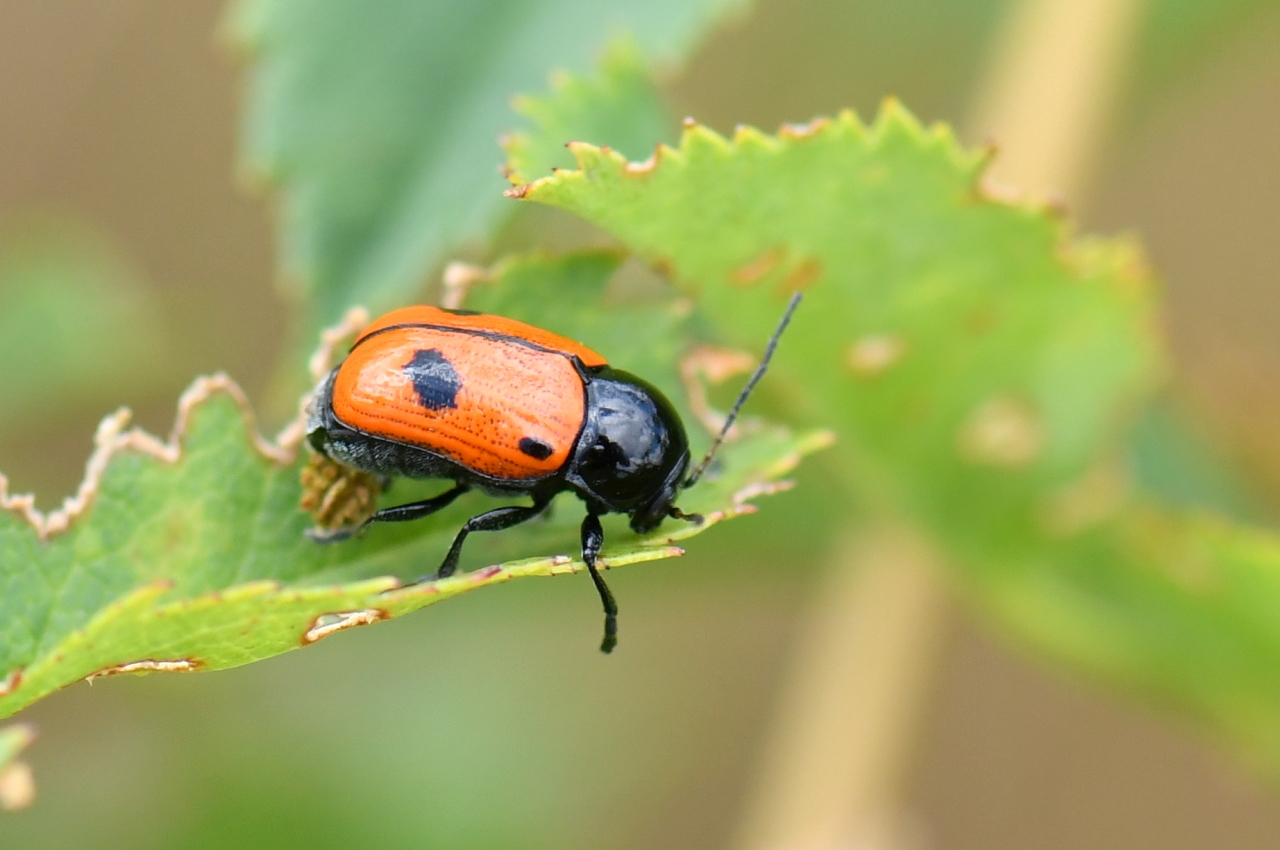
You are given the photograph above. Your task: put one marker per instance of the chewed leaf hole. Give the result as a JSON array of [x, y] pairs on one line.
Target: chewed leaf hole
[[10, 683], [148, 665], [327, 624]]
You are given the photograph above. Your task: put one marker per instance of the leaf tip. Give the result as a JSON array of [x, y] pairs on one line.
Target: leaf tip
[[588, 155], [747, 137], [823, 438], [896, 121]]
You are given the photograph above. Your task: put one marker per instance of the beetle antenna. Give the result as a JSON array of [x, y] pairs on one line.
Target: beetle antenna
[[746, 392]]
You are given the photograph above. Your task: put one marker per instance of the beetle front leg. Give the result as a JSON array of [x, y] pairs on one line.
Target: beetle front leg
[[592, 541]]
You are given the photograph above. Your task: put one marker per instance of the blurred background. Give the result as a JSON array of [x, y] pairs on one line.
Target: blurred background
[[130, 261]]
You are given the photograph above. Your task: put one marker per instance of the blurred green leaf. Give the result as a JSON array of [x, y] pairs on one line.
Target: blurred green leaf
[[1180, 37], [982, 369], [75, 325], [380, 126], [1176, 463], [619, 107], [200, 563]]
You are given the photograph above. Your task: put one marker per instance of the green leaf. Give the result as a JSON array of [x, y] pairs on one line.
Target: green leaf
[[1179, 38], [190, 555], [380, 126], [66, 300], [619, 107], [1173, 461], [919, 291], [982, 369]]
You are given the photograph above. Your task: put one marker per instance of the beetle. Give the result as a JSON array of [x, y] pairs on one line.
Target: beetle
[[494, 404]]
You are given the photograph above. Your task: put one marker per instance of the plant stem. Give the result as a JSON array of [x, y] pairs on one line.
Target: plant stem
[[835, 765]]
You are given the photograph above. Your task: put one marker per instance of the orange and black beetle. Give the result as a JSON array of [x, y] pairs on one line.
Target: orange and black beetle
[[510, 409]]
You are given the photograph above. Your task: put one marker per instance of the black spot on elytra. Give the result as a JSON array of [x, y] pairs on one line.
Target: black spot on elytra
[[535, 448], [434, 379]]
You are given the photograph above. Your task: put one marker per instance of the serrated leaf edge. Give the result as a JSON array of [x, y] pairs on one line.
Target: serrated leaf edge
[[891, 118], [620, 56], [113, 437]]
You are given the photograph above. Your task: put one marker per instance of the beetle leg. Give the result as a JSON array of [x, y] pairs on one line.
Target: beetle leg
[[676, 513], [418, 510], [335, 535], [400, 513], [592, 541], [494, 520]]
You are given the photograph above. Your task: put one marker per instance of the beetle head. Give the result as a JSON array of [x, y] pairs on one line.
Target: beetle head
[[632, 452]]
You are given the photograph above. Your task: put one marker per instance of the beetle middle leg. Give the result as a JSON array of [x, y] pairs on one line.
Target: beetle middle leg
[[494, 520]]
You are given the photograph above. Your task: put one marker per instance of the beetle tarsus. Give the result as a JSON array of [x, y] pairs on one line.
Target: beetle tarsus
[[333, 535], [676, 513], [592, 541]]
